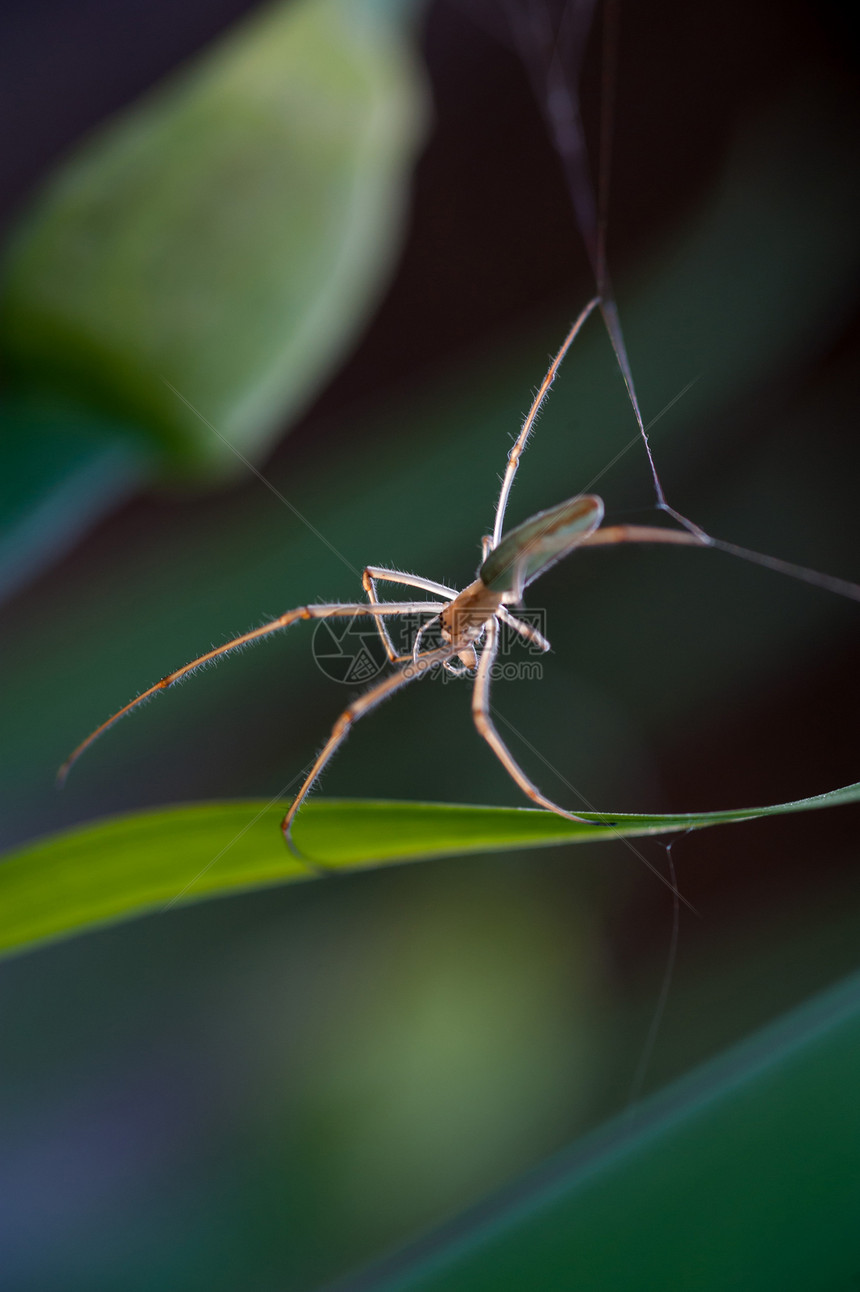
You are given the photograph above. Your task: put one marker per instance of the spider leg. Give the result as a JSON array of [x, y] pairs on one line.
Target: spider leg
[[531, 417], [643, 534], [416, 645], [357, 709], [526, 631], [647, 534], [333, 611], [464, 669], [373, 572], [484, 724]]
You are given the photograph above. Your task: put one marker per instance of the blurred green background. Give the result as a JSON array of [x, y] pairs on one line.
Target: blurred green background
[[269, 1091]]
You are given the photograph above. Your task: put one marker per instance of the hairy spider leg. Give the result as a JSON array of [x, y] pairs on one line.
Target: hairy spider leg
[[647, 534], [531, 417], [333, 611], [526, 631], [643, 534], [368, 578], [410, 672], [416, 645], [484, 724]]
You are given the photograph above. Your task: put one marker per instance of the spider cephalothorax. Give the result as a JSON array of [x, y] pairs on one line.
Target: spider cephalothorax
[[469, 620]]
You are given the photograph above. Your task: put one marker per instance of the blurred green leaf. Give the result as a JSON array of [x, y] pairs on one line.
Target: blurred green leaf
[[743, 1174], [61, 470], [227, 236], [152, 860]]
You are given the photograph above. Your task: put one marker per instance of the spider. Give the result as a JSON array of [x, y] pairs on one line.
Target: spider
[[469, 619]]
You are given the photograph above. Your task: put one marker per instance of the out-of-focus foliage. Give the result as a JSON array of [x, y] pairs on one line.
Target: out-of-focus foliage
[[744, 1174], [189, 277], [60, 474], [149, 861], [227, 235]]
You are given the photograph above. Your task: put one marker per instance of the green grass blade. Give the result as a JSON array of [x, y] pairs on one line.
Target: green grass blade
[[744, 1174], [149, 861]]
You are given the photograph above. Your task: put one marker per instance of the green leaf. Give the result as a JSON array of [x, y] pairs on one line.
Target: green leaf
[[744, 1174], [216, 247], [151, 861], [59, 474]]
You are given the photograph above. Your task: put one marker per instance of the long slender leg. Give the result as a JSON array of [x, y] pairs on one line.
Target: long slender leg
[[369, 700], [697, 538], [373, 572], [333, 611], [523, 630], [643, 534], [484, 723], [543, 391]]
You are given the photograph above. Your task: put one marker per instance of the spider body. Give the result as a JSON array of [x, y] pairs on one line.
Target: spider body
[[462, 622], [468, 619]]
